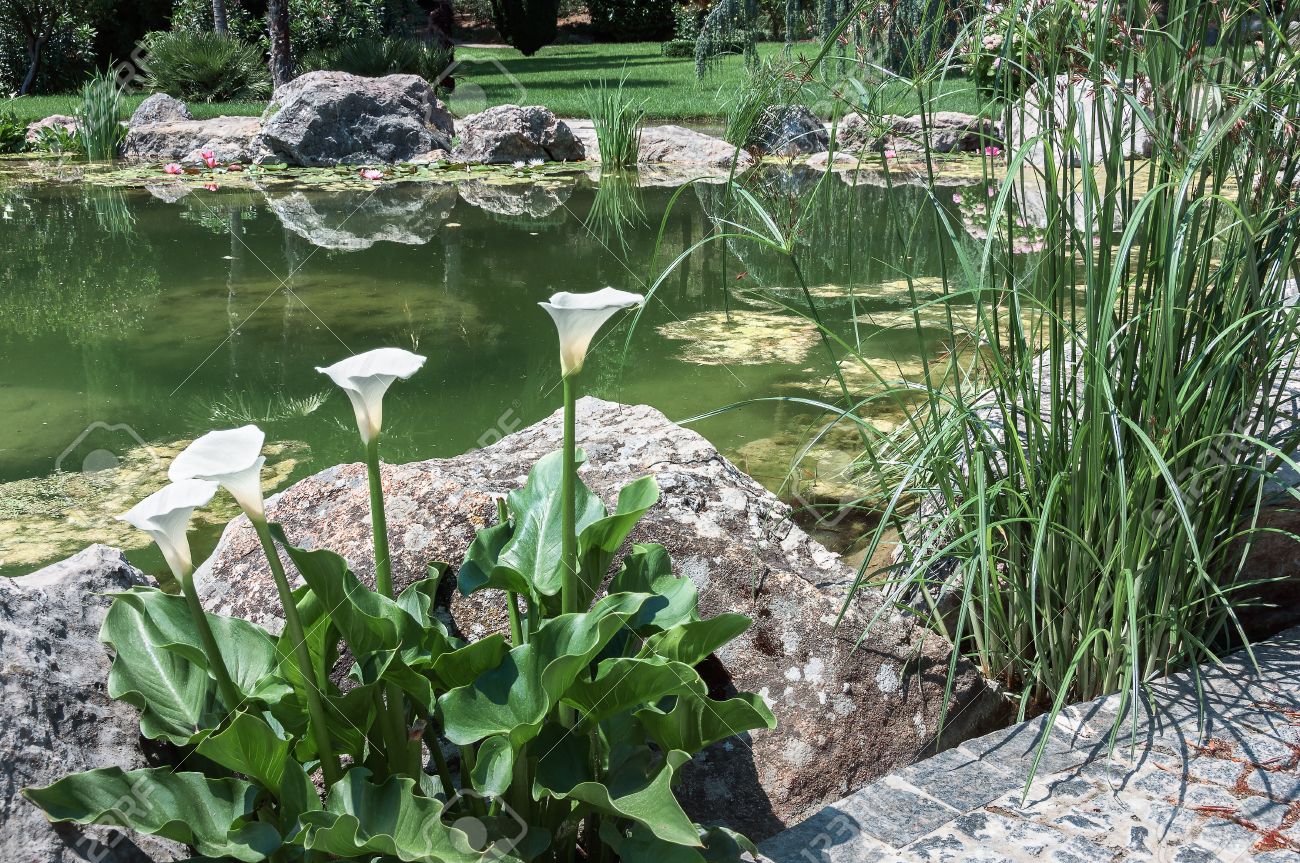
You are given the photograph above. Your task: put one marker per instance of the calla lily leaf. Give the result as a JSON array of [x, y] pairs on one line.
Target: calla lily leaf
[[461, 666], [248, 650], [697, 721], [598, 541], [215, 816], [361, 819], [638, 788], [248, 744], [515, 697], [622, 683], [693, 641], [649, 569], [494, 767], [636, 844], [175, 696], [481, 571]]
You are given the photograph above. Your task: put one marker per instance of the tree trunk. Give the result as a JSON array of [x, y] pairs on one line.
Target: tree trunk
[[220, 22], [34, 64], [281, 51]]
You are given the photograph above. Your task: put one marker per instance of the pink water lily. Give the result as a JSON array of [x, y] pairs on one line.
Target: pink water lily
[[173, 168], [956, 197], [372, 174], [209, 158], [211, 187], [992, 151], [891, 154]]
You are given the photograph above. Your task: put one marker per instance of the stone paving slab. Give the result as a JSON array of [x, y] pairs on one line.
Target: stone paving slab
[[1211, 775]]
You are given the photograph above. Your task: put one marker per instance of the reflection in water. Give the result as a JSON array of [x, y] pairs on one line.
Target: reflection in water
[[171, 315]]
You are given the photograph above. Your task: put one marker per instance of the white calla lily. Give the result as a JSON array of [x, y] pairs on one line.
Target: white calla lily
[[579, 316], [233, 458], [366, 377], [165, 516]]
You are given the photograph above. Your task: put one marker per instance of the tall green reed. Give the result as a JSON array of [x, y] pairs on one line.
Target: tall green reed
[[618, 120], [1079, 485], [99, 118]]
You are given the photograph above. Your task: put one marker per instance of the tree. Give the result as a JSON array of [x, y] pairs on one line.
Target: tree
[[37, 22], [527, 25], [281, 50], [220, 22]]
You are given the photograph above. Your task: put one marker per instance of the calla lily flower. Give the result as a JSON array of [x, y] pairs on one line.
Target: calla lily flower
[[165, 516], [366, 377], [579, 316], [233, 458]]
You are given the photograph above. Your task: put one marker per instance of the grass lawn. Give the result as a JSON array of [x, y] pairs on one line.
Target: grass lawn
[[558, 76]]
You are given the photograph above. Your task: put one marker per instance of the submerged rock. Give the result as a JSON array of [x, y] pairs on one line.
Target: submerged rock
[[159, 108], [55, 714], [229, 138], [333, 118], [410, 213], [509, 133], [742, 337], [847, 713]]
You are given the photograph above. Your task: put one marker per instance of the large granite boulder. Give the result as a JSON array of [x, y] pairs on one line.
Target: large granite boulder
[[847, 713], [333, 118], [508, 133], [160, 108], [946, 132], [230, 139], [677, 145], [1088, 141], [789, 130], [406, 213], [55, 714]]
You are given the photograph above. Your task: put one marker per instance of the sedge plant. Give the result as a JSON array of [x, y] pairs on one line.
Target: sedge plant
[[566, 733]]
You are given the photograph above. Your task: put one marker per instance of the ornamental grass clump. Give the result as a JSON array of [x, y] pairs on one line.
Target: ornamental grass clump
[[569, 730]]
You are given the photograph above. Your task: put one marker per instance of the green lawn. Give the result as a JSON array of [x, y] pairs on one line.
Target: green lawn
[[557, 77]]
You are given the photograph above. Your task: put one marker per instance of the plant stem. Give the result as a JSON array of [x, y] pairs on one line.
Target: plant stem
[[569, 518], [216, 664], [329, 761], [439, 760], [403, 756]]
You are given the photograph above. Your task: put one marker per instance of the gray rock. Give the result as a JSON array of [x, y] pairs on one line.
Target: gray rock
[[229, 138], [676, 145], [509, 133], [1089, 140], [55, 714], [946, 131], [160, 108], [789, 130], [34, 129], [333, 118], [409, 213], [847, 713]]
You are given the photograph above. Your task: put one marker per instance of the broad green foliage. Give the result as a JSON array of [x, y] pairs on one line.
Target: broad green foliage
[[576, 728], [205, 67]]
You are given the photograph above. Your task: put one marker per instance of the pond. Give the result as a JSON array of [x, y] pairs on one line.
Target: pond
[[132, 320]]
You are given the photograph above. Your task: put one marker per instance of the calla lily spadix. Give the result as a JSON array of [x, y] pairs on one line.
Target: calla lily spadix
[[233, 458], [165, 516], [579, 316], [366, 377]]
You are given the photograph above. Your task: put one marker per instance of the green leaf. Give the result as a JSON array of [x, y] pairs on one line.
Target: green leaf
[[248, 744], [697, 721], [693, 641], [461, 666], [247, 650], [638, 845], [649, 569], [297, 795], [534, 552], [212, 815], [515, 697], [494, 767], [598, 541], [638, 788], [622, 683], [176, 697], [361, 818], [480, 570]]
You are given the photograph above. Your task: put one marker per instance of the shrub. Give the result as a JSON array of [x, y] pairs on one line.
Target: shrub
[[632, 20], [13, 133], [59, 141], [99, 118], [207, 67], [376, 57]]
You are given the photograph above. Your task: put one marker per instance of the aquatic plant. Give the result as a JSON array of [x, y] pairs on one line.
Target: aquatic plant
[[617, 119], [571, 730], [99, 118]]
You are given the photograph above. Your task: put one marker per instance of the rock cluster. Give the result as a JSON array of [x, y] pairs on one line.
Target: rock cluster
[[945, 131], [509, 133]]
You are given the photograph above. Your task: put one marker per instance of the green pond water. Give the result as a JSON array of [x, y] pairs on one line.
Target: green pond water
[[132, 320]]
